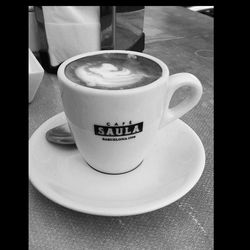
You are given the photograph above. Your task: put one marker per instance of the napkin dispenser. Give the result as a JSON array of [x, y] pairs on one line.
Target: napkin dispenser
[[65, 31]]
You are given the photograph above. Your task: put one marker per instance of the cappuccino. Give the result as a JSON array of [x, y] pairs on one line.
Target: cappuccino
[[115, 129], [113, 71]]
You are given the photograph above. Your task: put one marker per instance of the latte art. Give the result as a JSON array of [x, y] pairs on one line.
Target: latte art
[[113, 71], [108, 75]]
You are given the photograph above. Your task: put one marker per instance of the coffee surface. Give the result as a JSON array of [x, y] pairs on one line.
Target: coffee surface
[[113, 71]]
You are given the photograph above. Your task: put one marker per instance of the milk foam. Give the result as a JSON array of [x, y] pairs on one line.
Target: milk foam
[[108, 75], [113, 71]]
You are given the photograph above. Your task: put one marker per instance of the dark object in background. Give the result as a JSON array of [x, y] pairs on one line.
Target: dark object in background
[[107, 22], [129, 28], [121, 28]]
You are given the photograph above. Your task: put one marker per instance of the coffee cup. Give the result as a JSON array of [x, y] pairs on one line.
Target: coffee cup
[[116, 101]]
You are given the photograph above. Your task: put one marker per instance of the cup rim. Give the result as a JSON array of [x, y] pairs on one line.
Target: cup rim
[[161, 80]]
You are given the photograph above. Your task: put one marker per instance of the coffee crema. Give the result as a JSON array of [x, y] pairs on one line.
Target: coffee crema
[[113, 71]]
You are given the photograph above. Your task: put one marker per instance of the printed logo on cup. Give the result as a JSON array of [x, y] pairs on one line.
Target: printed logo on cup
[[116, 132]]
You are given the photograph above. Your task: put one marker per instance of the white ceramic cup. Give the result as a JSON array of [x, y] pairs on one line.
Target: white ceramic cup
[[114, 129]]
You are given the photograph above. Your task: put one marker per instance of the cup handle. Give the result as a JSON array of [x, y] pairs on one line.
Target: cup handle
[[175, 82]]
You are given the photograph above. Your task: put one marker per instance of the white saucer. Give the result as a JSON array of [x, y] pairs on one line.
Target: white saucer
[[168, 172]]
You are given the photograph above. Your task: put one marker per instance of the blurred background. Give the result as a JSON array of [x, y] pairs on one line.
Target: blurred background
[[59, 32]]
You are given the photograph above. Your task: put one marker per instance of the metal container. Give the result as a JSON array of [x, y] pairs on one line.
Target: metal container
[[120, 27]]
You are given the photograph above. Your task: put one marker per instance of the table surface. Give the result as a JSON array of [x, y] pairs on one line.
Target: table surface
[[184, 41]]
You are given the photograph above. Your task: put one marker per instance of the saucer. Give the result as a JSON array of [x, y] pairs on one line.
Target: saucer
[[170, 170]]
